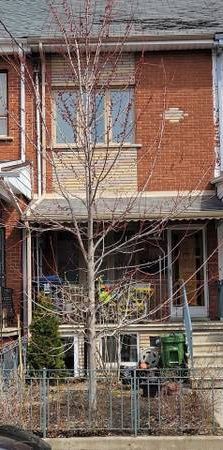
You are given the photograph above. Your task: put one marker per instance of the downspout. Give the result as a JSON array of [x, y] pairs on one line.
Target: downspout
[[216, 112], [43, 101], [24, 276], [218, 66], [38, 135], [218, 98], [22, 107], [27, 277], [22, 115]]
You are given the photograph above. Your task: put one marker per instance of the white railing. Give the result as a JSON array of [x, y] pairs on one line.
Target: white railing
[[187, 324]]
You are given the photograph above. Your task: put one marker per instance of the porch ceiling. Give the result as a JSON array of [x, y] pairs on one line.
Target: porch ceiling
[[142, 207]]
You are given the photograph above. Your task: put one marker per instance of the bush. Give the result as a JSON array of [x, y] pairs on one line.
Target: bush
[[45, 348]]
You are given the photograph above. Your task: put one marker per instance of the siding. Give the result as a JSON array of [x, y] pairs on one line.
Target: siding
[[68, 173], [110, 71]]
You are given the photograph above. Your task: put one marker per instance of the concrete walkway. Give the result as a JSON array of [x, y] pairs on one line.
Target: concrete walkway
[[139, 443]]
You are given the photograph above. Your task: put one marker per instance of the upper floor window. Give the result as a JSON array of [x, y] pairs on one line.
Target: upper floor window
[[108, 116], [3, 104]]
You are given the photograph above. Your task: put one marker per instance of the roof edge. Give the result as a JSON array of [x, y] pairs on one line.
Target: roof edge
[[133, 43]]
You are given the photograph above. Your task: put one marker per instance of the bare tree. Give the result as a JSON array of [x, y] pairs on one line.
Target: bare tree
[[95, 178]]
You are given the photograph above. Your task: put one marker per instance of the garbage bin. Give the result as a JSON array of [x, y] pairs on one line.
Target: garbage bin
[[173, 350]]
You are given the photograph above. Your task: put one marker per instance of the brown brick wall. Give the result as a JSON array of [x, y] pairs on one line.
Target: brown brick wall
[[175, 155]]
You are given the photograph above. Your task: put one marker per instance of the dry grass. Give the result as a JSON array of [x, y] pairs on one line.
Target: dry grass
[[187, 410]]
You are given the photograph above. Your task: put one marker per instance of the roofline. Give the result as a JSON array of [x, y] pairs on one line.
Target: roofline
[[9, 47], [134, 43], [195, 215], [131, 44]]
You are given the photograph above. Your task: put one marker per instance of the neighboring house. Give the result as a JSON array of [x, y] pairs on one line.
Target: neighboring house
[[16, 133], [173, 159]]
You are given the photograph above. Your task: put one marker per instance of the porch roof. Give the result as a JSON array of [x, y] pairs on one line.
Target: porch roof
[[142, 207]]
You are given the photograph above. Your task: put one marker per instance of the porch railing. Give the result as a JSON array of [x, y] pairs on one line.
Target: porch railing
[[137, 301], [187, 324], [7, 315]]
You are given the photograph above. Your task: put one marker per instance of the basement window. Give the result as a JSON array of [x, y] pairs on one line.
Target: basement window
[[121, 349]]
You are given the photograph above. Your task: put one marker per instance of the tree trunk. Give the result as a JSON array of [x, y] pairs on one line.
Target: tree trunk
[[91, 331]]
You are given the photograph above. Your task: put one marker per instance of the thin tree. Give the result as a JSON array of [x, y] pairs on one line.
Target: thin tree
[[96, 122]]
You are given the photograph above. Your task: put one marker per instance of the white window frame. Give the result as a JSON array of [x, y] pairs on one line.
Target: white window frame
[[75, 350], [107, 119], [5, 115], [195, 311], [119, 362]]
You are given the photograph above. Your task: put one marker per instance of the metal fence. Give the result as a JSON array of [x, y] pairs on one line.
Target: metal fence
[[136, 402]]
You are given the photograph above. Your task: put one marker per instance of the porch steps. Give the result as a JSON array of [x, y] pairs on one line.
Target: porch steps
[[208, 346]]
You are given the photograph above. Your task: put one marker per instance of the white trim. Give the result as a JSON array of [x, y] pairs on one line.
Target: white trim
[[217, 169], [22, 107], [107, 116], [145, 42], [219, 76], [119, 362], [80, 194]]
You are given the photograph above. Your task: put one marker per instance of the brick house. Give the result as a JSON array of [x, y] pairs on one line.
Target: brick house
[[16, 148], [170, 163]]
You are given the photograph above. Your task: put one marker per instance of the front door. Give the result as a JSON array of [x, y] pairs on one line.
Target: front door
[[186, 262]]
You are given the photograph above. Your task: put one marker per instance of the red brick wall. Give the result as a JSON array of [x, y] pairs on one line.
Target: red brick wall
[[176, 155], [10, 150], [13, 253]]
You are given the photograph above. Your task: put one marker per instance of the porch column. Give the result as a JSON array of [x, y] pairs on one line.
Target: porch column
[[27, 279], [220, 268]]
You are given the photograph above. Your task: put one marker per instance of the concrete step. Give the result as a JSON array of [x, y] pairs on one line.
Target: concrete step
[[208, 337], [212, 359], [207, 347]]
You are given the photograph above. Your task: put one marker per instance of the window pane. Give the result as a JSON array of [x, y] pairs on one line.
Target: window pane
[[3, 126], [110, 349], [122, 115], [3, 94], [98, 122], [65, 117], [129, 348]]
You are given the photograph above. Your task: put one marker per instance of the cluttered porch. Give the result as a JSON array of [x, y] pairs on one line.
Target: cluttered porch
[[136, 281]]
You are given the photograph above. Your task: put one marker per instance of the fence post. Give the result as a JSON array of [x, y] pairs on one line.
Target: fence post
[[44, 403], [135, 409]]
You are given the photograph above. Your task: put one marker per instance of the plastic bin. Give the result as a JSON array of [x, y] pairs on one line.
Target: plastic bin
[[173, 350]]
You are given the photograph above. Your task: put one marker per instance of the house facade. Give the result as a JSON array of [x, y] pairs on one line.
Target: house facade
[[156, 134], [16, 148]]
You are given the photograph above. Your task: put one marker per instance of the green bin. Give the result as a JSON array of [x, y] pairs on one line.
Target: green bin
[[173, 350]]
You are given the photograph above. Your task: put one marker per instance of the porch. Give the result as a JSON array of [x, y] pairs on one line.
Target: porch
[[136, 281]]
